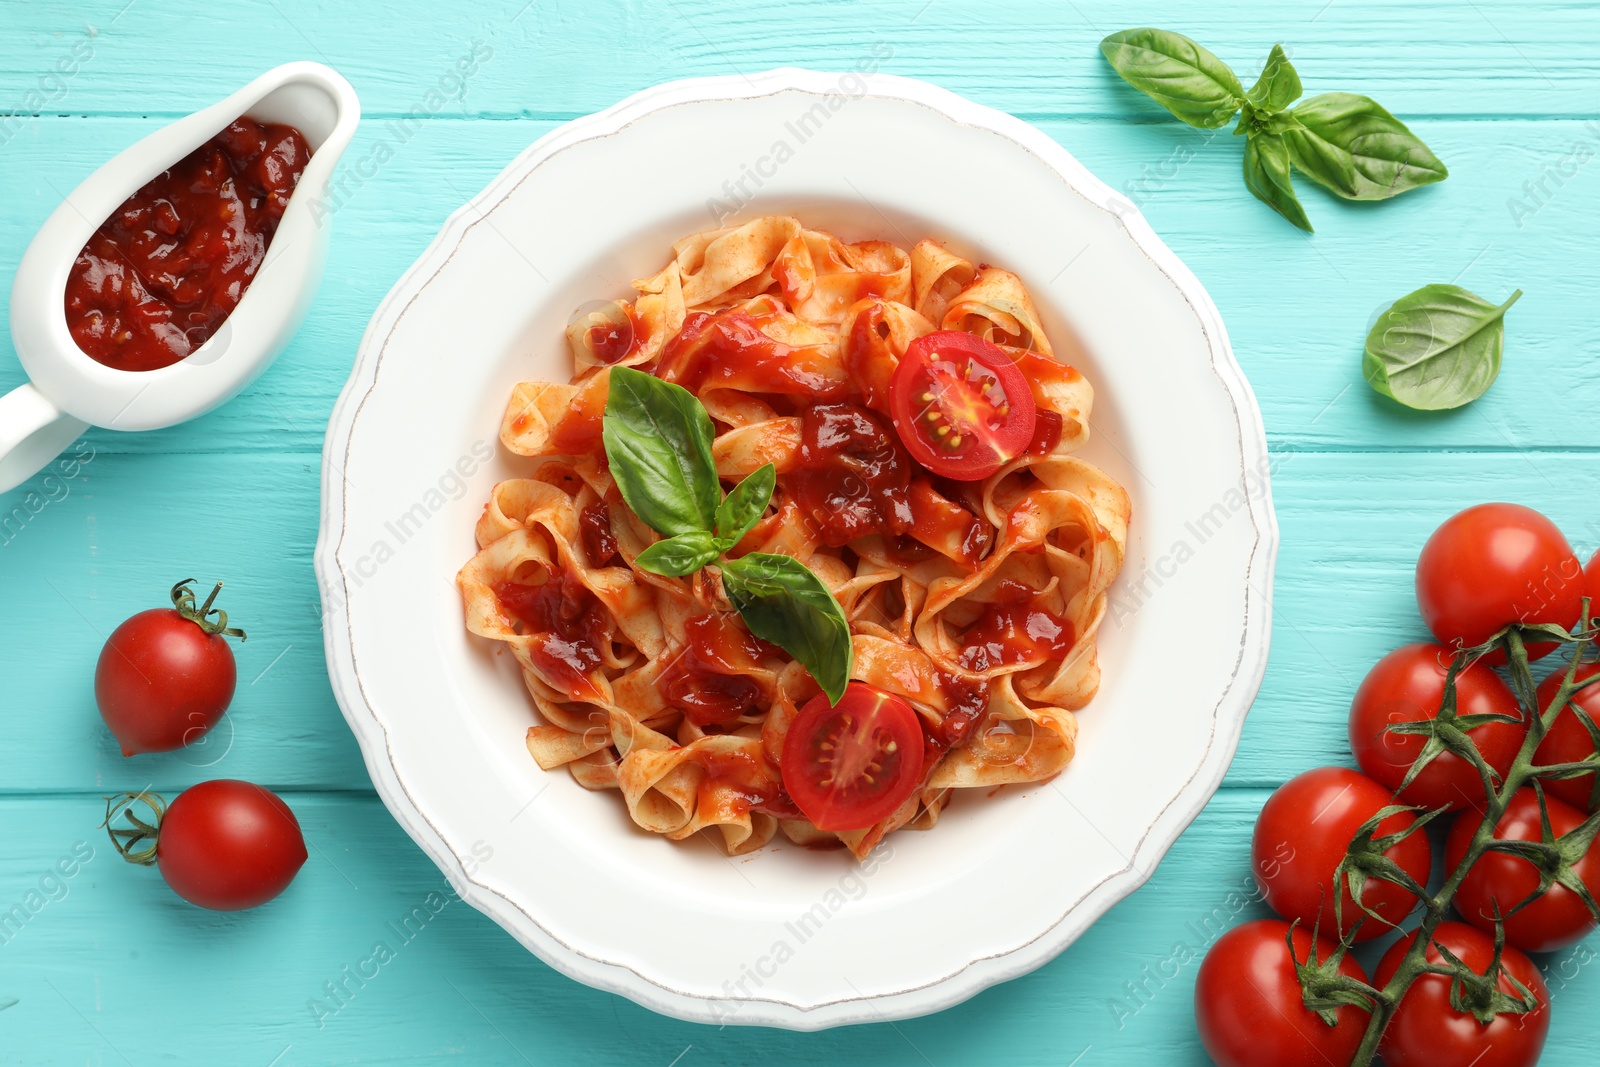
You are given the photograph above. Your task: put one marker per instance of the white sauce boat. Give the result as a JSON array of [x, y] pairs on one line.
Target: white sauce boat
[[68, 390]]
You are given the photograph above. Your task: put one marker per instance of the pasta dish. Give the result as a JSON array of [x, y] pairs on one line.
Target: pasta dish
[[804, 545]]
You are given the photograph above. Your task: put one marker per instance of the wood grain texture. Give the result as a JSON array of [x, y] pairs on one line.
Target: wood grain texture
[[112, 969]]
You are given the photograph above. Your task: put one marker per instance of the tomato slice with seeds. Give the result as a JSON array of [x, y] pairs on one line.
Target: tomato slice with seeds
[[850, 765], [961, 406]]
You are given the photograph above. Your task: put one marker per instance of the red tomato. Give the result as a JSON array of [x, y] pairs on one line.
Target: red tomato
[[1426, 1031], [1568, 740], [852, 764], [960, 405], [166, 675], [1407, 685], [1312, 819], [1558, 918], [229, 845], [1248, 1003], [1493, 565]]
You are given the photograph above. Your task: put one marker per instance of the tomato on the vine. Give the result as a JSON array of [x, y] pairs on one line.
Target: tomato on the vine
[[1406, 686], [1249, 1007], [851, 764], [1427, 1031], [960, 405], [1559, 917], [166, 675], [224, 844], [1492, 565], [1315, 817], [1569, 740]]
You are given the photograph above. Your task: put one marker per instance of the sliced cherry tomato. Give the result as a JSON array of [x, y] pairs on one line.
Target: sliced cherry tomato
[[1569, 740], [1492, 565], [1312, 819], [1427, 1031], [166, 675], [852, 764], [1249, 1007], [1559, 917], [1407, 685], [961, 406]]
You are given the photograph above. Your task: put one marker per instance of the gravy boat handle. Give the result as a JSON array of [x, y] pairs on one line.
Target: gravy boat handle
[[33, 431]]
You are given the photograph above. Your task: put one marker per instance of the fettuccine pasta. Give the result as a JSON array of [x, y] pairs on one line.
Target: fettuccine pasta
[[978, 602]]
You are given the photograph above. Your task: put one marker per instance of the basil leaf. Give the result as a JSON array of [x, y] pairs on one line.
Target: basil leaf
[[1436, 348], [1354, 147], [658, 444], [680, 555], [782, 601], [1279, 84], [1266, 174], [1177, 73], [741, 509]]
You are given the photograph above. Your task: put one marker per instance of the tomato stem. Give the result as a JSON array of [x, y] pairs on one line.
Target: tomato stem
[[135, 843], [183, 599], [1521, 773]]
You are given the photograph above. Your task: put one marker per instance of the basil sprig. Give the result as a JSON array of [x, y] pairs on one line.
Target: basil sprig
[[1346, 143], [658, 444], [1436, 348]]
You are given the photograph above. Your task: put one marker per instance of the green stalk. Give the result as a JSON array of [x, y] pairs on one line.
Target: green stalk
[[1437, 906]]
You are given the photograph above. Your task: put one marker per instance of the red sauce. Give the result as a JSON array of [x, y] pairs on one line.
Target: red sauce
[[1046, 434], [612, 340], [159, 276], [947, 525], [852, 477], [567, 622], [708, 680], [868, 359], [599, 542], [1015, 629], [753, 781], [728, 349], [580, 431], [966, 701]]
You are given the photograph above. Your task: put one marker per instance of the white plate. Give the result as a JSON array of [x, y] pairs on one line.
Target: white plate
[[789, 937]]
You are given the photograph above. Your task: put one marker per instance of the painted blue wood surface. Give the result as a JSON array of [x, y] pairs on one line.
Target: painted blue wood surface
[[112, 969]]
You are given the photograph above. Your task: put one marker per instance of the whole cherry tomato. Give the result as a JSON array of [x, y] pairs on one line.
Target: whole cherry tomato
[[1559, 917], [1407, 685], [1569, 740], [1427, 1031], [1313, 818], [166, 675], [1492, 565], [1249, 1007], [225, 845]]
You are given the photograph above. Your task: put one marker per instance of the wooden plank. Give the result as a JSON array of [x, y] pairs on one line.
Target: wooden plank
[[1297, 307], [550, 59], [114, 968]]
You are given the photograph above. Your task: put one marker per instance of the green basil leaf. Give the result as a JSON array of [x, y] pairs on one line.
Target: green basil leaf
[[1177, 73], [1266, 174], [658, 444], [741, 509], [1279, 84], [680, 555], [1436, 348], [782, 601], [1355, 148]]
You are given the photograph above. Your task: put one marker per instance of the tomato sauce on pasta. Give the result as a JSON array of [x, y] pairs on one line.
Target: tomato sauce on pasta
[[974, 595]]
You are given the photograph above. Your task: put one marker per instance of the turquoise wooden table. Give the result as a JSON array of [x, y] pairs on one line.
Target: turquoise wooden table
[[110, 968]]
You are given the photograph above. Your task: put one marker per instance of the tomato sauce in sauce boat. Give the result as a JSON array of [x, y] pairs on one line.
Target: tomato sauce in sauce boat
[[223, 217]]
